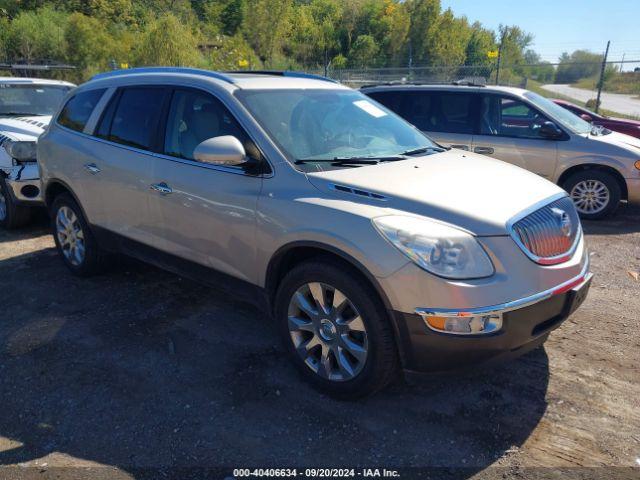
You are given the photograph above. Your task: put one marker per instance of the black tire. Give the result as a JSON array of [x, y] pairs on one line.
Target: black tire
[[12, 215], [381, 366], [94, 259], [606, 179]]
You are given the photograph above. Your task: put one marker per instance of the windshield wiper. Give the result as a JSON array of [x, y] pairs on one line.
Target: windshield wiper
[[419, 150], [351, 160]]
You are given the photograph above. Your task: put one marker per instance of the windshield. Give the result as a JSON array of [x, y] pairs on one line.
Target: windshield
[[323, 125], [558, 114], [30, 99]]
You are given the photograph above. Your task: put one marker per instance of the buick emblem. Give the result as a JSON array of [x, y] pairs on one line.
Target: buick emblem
[[564, 221]]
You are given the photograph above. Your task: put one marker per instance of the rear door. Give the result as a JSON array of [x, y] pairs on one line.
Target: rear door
[[207, 212], [508, 131], [123, 156], [447, 117]]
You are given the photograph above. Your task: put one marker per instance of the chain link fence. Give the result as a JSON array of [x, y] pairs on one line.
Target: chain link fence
[[576, 82]]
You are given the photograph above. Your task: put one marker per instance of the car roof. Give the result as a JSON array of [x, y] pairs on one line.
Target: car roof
[[34, 81], [249, 80], [443, 87]]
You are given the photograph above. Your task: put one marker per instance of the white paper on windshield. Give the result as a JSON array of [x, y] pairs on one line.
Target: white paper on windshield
[[370, 108]]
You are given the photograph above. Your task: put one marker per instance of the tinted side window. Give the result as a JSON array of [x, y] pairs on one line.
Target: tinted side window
[[195, 117], [391, 100], [452, 113], [509, 117], [78, 109], [432, 111], [135, 119]]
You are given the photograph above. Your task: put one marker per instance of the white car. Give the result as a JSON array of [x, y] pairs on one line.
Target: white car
[[26, 106]]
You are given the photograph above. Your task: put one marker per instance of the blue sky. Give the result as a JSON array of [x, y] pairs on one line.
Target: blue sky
[[563, 25]]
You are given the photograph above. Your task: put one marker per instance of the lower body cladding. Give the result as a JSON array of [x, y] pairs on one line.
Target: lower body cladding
[[438, 341], [24, 183]]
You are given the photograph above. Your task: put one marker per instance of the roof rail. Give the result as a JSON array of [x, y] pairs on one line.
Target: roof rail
[[471, 82], [194, 71], [284, 73]]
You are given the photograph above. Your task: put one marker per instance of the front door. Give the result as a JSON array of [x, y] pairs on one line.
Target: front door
[[207, 212], [508, 131]]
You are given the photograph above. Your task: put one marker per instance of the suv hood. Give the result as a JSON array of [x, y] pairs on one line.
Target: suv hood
[[466, 190], [24, 128]]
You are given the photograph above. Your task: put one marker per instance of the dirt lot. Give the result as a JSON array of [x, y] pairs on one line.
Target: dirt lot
[[139, 372]]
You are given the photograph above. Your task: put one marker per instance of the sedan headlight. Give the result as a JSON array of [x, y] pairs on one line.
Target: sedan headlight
[[439, 249], [22, 151]]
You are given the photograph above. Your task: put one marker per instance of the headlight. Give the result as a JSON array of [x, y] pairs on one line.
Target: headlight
[[21, 150], [439, 249]]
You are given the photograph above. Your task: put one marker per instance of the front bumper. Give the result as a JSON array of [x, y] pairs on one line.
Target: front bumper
[[526, 323], [24, 183]]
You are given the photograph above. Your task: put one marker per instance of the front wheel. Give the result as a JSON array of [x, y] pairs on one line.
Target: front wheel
[[336, 329], [596, 194]]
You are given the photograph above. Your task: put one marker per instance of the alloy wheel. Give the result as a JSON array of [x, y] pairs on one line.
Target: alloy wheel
[[590, 196], [327, 332], [70, 236], [3, 206]]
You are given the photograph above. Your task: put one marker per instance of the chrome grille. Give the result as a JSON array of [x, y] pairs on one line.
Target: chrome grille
[[550, 234]]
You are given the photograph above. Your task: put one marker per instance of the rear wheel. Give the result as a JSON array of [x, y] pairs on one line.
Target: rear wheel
[[12, 215], [75, 243], [336, 329], [596, 194]]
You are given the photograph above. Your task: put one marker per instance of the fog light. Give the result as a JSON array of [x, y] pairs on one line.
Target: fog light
[[465, 325], [637, 164]]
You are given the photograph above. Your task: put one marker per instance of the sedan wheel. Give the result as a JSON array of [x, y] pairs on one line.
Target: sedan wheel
[[70, 236], [590, 196], [327, 332]]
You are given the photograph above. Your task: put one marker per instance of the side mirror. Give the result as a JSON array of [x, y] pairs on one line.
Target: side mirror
[[586, 117], [226, 150], [549, 130]]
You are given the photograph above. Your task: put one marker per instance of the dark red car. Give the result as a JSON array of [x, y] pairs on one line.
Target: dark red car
[[620, 125]]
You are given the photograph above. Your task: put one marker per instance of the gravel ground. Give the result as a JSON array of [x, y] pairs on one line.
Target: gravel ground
[[138, 372]]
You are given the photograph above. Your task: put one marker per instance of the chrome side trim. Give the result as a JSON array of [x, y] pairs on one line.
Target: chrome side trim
[[501, 308], [516, 238]]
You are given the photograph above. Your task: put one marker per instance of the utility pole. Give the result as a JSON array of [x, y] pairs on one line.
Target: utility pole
[[601, 82], [504, 32]]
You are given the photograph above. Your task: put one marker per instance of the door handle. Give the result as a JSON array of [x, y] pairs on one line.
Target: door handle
[[92, 168], [459, 147], [484, 150], [162, 188]]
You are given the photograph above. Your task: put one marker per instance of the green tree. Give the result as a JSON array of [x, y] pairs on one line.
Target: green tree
[[233, 16], [424, 21], [37, 35], [267, 27], [167, 41], [578, 65], [363, 50]]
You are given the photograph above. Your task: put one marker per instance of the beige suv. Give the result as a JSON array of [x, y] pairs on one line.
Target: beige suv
[[375, 250], [598, 167]]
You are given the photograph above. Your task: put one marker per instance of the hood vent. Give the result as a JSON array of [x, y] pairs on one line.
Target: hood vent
[[31, 121], [360, 193]]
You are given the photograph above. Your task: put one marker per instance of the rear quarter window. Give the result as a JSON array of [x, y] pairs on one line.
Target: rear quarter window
[[79, 108]]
